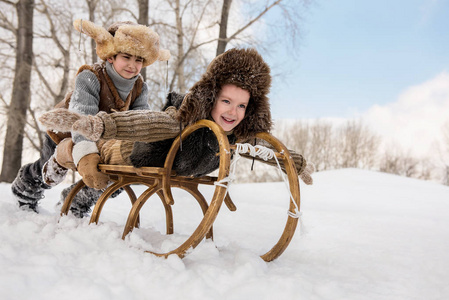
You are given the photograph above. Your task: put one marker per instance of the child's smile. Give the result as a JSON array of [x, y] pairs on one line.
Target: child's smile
[[230, 106]]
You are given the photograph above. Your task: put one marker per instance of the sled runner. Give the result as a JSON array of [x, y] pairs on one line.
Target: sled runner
[[160, 181]]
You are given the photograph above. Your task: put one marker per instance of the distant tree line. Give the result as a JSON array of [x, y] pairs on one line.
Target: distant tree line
[[353, 144]]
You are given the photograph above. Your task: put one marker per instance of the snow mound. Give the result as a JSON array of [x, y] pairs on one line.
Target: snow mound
[[365, 235]]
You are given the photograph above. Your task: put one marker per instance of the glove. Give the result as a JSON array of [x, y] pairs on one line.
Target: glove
[[91, 127], [59, 119], [92, 177], [306, 174], [63, 120], [63, 154]]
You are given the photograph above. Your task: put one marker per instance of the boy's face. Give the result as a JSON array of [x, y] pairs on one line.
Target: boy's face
[[126, 65], [230, 106]]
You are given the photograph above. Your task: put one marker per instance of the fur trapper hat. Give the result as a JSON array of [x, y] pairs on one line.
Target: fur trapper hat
[[124, 37], [244, 68]]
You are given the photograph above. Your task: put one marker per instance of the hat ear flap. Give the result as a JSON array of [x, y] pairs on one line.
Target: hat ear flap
[[103, 39], [197, 104]]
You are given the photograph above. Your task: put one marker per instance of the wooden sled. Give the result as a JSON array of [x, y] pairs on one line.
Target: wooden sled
[[160, 181]]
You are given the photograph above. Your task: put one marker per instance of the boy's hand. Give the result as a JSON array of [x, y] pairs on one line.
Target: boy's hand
[[88, 169], [62, 120], [59, 119], [89, 126], [63, 154]]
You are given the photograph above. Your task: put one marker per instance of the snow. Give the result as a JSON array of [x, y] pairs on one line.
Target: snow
[[365, 235]]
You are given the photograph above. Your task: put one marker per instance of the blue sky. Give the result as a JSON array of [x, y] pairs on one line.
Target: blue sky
[[357, 54]]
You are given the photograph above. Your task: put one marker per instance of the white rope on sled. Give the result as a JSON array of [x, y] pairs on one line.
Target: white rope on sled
[[266, 154]]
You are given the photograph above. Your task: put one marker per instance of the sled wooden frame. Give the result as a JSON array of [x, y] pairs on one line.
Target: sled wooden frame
[[160, 181]]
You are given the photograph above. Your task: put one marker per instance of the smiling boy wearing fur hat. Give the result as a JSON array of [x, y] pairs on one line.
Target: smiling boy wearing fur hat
[[115, 84]]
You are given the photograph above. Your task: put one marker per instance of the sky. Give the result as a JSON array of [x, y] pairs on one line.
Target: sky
[[372, 60], [362, 235]]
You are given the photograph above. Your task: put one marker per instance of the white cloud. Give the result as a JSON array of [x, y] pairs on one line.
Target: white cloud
[[414, 121]]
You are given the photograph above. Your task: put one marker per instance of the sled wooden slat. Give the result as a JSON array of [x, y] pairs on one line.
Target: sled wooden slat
[[150, 173], [160, 181]]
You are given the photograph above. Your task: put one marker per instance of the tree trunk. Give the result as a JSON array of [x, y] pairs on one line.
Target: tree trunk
[[180, 45], [143, 20], [92, 4], [20, 100], [222, 38]]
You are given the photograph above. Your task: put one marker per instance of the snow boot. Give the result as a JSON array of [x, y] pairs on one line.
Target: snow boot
[[28, 188], [52, 172], [84, 199]]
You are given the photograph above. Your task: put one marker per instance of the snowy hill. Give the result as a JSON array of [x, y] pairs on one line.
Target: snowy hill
[[366, 235]]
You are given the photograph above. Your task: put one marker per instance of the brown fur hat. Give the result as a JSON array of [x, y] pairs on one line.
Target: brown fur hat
[[124, 37], [244, 68]]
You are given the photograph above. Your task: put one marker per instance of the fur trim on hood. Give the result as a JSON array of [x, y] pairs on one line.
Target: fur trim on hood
[[244, 68], [124, 37]]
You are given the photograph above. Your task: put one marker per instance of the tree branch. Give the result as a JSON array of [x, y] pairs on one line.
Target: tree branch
[[34, 125], [9, 2], [42, 78], [251, 22], [6, 24]]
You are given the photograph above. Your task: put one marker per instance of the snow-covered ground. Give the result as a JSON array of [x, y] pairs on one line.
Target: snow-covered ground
[[365, 235]]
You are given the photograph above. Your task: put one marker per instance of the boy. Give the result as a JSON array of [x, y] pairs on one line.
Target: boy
[[232, 92], [113, 85]]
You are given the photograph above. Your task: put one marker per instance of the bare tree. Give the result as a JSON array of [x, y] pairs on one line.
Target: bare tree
[[185, 36], [7, 59], [144, 7], [143, 19], [51, 71], [314, 140], [357, 146], [222, 36], [295, 134], [285, 20], [91, 6], [427, 170], [20, 99], [399, 162], [322, 146], [58, 33]]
